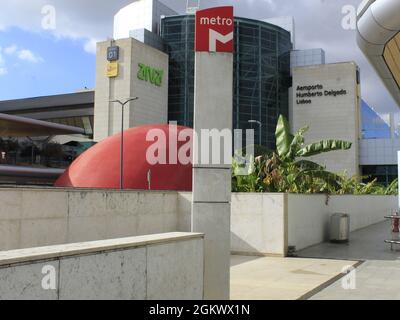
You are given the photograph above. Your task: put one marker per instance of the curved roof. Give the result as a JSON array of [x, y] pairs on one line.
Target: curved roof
[[13, 126], [61, 101], [378, 36]]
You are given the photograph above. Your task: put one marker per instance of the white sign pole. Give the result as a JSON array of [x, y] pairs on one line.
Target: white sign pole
[[211, 209]]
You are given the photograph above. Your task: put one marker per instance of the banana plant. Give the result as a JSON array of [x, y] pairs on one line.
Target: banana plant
[[288, 170], [245, 175], [290, 146], [393, 188], [302, 175]]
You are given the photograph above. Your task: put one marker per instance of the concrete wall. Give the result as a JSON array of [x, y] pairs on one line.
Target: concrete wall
[[266, 224], [328, 116], [308, 216], [152, 106], [261, 224], [121, 269], [258, 224], [40, 217]]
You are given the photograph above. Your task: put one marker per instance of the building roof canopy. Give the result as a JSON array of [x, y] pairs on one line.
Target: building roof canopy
[[378, 33], [13, 126]]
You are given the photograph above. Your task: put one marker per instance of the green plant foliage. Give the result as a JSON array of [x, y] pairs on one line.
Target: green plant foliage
[[283, 137], [323, 146], [352, 185], [258, 150], [285, 170]]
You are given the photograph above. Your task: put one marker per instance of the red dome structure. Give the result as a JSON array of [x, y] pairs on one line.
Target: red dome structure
[[99, 167]]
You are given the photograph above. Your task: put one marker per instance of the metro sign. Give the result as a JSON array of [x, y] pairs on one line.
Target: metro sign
[[214, 30]]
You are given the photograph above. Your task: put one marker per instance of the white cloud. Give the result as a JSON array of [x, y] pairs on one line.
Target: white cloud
[[78, 20], [3, 69], [270, 3], [21, 54], [11, 49], [90, 46], [29, 56]]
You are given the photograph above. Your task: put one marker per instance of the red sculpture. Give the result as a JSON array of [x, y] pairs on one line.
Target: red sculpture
[[99, 167]]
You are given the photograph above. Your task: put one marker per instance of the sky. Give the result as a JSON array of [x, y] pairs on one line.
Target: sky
[[48, 46]]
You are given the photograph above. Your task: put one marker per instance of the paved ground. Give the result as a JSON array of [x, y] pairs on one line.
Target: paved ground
[[255, 278], [377, 278]]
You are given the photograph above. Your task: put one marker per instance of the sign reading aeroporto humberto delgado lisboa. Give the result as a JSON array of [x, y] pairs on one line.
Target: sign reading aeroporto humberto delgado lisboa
[[214, 30]]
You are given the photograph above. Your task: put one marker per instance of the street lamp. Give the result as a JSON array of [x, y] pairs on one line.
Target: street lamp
[[122, 104], [260, 125]]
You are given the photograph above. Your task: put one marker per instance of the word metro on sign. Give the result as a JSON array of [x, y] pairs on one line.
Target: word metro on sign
[[214, 30]]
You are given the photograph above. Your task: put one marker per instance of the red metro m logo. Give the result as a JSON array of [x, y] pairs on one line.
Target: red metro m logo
[[214, 30]]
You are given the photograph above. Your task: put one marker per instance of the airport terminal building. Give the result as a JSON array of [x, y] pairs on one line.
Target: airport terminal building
[[152, 57]]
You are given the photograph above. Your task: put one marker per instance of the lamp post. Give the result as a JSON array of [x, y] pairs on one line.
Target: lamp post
[[260, 125], [122, 104]]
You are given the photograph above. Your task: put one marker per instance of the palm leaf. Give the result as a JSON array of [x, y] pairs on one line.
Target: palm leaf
[[323, 146], [308, 165], [283, 137], [331, 178], [297, 142], [392, 189]]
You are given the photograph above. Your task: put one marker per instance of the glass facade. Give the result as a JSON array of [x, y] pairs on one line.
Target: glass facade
[[310, 57], [384, 174], [373, 126], [261, 73]]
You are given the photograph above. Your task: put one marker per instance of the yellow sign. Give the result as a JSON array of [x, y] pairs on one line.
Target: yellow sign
[[112, 69]]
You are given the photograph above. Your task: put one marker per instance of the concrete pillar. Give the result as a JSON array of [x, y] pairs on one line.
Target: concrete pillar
[[212, 182]]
